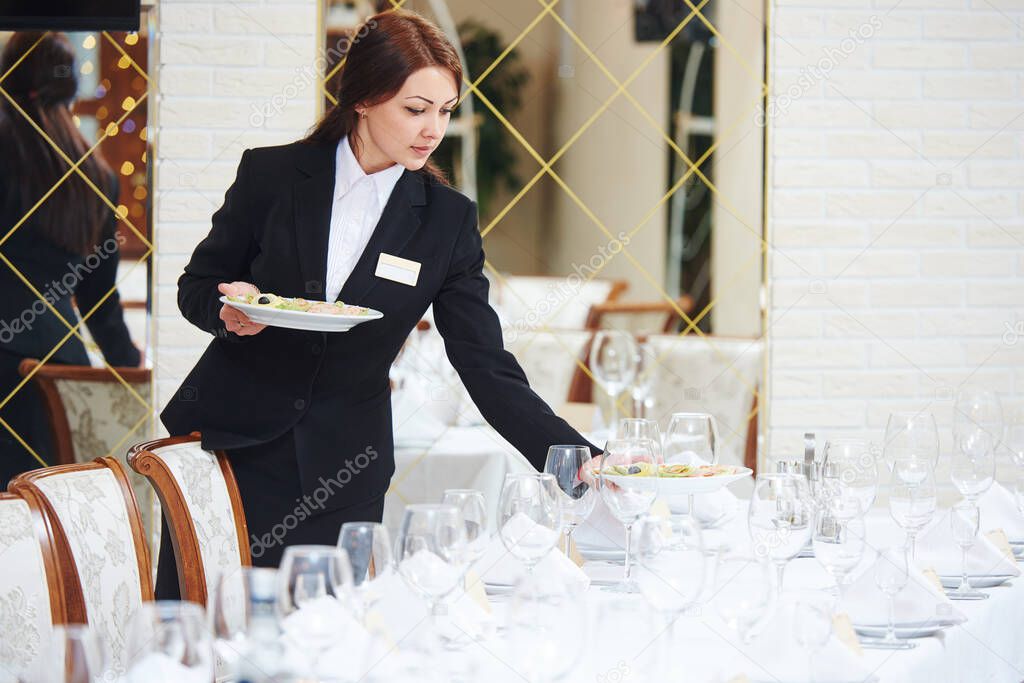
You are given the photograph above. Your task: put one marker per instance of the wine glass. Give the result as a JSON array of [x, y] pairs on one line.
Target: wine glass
[[244, 599], [964, 519], [546, 625], [812, 626], [71, 653], [891, 575], [529, 516], [628, 482], [780, 519], [838, 545], [691, 439], [646, 377], [473, 506], [670, 575], [977, 421], [577, 499], [912, 499], [368, 546], [431, 552], [613, 358], [910, 438], [170, 637], [850, 464], [640, 428], [743, 595]]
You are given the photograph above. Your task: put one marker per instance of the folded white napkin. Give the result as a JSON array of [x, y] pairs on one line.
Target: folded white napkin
[[414, 417], [341, 658], [777, 655], [498, 566], [919, 601], [156, 667], [401, 610], [937, 550], [999, 511]]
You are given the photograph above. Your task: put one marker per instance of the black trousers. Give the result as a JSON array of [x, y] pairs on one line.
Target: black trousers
[[275, 512]]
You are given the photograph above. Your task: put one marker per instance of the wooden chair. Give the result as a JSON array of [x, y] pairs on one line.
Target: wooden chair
[[639, 317], [99, 544], [200, 498], [31, 589]]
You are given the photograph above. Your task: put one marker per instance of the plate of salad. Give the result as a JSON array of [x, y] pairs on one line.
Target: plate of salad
[[674, 479], [301, 314]]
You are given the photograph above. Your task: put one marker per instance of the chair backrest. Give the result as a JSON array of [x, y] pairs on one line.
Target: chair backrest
[[550, 360], [31, 591], [529, 302], [200, 498], [639, 317], [99, 542]]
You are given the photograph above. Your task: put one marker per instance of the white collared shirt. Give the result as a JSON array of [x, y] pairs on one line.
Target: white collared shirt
[[359, 201]]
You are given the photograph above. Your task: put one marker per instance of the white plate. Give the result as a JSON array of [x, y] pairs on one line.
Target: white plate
[[977, 580], [910, 629], [300, 320], [680, 486], [602, 554]]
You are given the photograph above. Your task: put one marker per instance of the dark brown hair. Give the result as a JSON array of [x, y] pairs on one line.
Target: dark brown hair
[[384, 51], [44, 85]]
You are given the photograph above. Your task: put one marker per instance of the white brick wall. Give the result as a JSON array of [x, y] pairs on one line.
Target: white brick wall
[[219, 62], [895, 213]]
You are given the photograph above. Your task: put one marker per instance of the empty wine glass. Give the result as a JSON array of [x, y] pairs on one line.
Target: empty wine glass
[[964, 519], [852, 464], [691, 439], [545, 624], [911, 438], [891, 575], [71, 653], [977, 421], [838, 545], [473, 506], [646, 377], [529, 516], [245, 599], [170, 640], [640, 428], [627, 479], [780, 519], [670, 575], [812, 626], [368, 546], [613, 358], [743, 595], [912, 500], [577, 499]]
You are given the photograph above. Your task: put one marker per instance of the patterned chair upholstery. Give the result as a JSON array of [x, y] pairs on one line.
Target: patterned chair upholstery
[[99, 544], [640, 317], [198, 492], [526, 302], [549, 360], [31, 597], [93, 414]]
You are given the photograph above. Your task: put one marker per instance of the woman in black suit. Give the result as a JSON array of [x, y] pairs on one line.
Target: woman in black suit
[[305, 417], [66, 247]]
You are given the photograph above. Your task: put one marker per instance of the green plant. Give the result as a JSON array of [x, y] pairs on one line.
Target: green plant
[[496, 158]]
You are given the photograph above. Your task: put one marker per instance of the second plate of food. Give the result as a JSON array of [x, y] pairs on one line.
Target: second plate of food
[[301, 314]]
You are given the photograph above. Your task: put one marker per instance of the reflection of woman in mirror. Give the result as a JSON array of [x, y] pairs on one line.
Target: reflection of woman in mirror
[[305, 417], [64, 243]]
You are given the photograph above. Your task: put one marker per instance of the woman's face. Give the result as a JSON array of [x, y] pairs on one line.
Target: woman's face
[[408, 127]]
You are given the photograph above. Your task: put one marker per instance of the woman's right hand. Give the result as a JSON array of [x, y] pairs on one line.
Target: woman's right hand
[[235, 320]]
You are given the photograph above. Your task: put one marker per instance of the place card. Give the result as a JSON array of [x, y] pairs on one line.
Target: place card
[[843, 628], [934, 579], [574, 552], [475, 590], [999, 539]]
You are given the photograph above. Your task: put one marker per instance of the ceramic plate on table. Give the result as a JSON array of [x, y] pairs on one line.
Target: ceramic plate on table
[[977, 580], [602, 554], [910, 629], [313, 320]]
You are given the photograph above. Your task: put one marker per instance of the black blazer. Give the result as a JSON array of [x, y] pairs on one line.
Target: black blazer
[[333, 389], [28, 329]]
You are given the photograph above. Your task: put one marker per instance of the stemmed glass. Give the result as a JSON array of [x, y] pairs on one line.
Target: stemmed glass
[[812, 627], [852, 464], [640, 428], [244, 608], [912, 498], [546, 626], [911, 436], [368, 546], [613, 360], [691, 439], [173, 638], [628, 497], [891, 575], [646, 377], [780, 519], [529, 517], [744, 594], [473, 506], [430, 552], [963, 521], [977, 431], [577, 499], [838, 545], [72, 653], [670, 575]]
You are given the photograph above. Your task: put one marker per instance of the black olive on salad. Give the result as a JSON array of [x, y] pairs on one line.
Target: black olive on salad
[[263, 300]]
